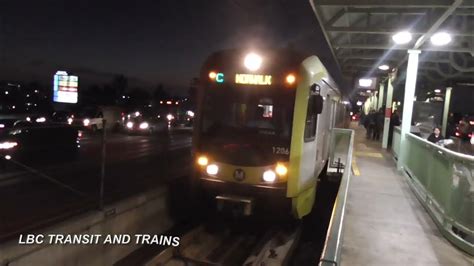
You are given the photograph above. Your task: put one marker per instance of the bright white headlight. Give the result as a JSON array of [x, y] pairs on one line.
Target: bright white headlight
[[269, 176], [212, 169], [86, 122], [252, 61], [129, 124], [143, 125], [69, 120]]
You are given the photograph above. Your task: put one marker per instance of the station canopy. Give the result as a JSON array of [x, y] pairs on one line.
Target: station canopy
[[360, 32]]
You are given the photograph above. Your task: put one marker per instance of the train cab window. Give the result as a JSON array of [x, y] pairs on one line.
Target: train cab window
[[314, 108], [257, 115]]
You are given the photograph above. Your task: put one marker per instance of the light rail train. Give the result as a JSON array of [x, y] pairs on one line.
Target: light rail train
[[262, 129]]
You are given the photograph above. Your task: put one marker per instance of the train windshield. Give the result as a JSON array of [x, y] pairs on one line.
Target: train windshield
[[239, 113]]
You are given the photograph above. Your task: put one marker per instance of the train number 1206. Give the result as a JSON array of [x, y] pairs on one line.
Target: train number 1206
[[281, 150]]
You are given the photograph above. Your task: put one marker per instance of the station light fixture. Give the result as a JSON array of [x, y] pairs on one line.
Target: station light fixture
[[369, 91], [384, 67], [359, 103], [212, 169], [253, 61], [440, 38], [402, 37], [437, 91], [365, 82]]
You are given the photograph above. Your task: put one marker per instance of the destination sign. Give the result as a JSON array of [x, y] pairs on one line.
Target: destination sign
[[253, 79]]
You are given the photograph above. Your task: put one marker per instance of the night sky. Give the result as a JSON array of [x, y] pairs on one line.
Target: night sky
[[150, 42]]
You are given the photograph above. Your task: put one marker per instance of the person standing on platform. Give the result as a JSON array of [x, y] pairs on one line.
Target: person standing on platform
[[379, 122], [371, 117], [435, 136], [394, 122]]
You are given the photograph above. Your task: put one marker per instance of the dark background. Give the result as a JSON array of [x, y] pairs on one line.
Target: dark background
[[150, 42]]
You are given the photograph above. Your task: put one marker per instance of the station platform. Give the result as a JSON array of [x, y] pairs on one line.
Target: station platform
[[385, 224]]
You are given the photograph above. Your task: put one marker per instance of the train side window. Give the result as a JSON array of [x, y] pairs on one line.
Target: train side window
[[314, 108]]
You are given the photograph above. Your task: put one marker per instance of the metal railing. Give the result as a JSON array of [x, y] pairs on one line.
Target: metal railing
[[443, 181], [342, 141]]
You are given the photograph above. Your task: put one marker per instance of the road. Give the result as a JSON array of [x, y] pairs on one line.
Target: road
[[43, 190]]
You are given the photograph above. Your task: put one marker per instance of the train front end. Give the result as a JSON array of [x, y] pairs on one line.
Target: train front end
[[243, 130]]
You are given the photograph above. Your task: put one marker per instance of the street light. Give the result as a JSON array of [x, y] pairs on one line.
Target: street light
[[402, 37], [440, 38]]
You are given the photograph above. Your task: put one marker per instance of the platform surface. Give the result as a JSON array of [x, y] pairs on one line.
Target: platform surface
[[385, 224]]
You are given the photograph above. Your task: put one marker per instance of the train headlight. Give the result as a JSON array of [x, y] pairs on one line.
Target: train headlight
[[129, 124], [281, 170], [144, 125], [86, 122], [269, 176], [252, 61], [212, 169], [202, 160]]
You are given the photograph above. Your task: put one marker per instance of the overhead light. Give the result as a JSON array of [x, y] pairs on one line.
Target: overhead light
[[437, 91], [369, 91], [252, 61], [440, 38], [402, 37], [359, 103], [384, 67], [364, 82]]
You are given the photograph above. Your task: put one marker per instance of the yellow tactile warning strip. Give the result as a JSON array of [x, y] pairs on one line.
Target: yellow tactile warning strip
[[355, 168], [369, 154]]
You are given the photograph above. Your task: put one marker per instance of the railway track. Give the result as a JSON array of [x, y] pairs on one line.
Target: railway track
[[231, 245]]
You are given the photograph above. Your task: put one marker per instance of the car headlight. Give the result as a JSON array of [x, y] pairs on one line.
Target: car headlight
[[129, 124], [269, 176], [86, 122], [143, 125], [8, 145], [202, 160], [212, 169]]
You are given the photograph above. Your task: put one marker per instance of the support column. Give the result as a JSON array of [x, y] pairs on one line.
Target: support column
[[410, 86], [447, 101], [388, 113], [381, 91]]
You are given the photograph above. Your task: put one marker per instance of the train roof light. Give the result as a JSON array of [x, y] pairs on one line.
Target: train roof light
[[253, 61], [290, 79]]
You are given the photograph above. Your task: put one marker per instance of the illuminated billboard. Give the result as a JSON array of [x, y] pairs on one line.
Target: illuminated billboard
[[65, 88]]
